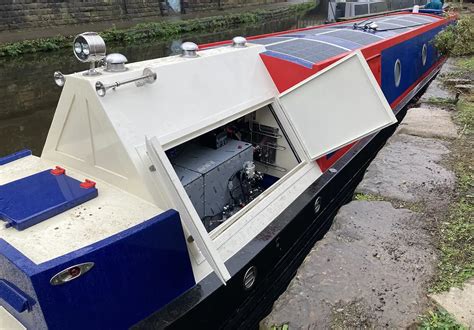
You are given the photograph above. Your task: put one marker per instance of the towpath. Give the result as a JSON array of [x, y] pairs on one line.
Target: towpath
[[375, 266]]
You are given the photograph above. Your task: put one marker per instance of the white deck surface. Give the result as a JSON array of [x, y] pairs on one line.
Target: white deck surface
[[111, 212]]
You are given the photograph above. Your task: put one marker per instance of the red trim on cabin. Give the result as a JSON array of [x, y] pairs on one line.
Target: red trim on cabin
[[375, 65], [286, 74], [325, 162]]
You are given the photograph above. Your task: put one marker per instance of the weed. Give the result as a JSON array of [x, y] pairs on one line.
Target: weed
[[465, 116], [367, 197], [466, 64], [439, 319]]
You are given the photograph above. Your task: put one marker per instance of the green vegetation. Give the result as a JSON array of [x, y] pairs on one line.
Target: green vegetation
[[284, 326], [466, 64], [414, 207], [367, 197], [456, 263], [439, 320], [456, 233], [441, 101], [457, 39], [33, 46], [465, 116], [159, 30]]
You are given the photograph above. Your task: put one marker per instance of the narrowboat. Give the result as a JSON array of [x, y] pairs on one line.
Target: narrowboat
[[185, 191]]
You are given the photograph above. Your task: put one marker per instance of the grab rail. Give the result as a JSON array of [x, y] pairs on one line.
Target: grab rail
[[148, 77]]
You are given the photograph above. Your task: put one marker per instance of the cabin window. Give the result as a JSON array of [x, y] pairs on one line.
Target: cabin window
[[397, 70], [225, 169], [424, 54]]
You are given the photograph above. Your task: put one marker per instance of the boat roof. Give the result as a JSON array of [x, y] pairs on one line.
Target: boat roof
[[310, 46]]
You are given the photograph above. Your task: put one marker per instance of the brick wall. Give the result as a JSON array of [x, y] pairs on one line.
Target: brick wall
[[20, 14]]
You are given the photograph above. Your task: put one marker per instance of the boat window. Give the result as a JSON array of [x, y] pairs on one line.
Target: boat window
[[424, 54], [397, 72], [225, 169]]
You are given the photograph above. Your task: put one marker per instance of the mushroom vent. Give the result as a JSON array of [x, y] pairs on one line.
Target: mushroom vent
[[115, 63]]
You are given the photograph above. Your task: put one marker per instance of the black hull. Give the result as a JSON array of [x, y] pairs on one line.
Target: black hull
[[278, 251]]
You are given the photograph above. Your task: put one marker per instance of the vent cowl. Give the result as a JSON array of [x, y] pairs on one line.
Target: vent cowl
[[115, 63]]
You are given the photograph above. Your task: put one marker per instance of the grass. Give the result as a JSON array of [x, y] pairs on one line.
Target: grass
[[465, 117], [414, 207], [456, 264], [438, 320], [456, 233], [158, 30], [368, 197], [441, 101], [466, 64]]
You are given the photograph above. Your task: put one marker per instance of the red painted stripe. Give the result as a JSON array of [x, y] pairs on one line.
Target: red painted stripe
[[325, 163]]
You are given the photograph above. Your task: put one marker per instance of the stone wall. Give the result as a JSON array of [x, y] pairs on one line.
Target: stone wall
[[202, 5], [21, 14]]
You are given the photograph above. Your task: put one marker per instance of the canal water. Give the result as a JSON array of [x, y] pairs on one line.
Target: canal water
[[28, 94]]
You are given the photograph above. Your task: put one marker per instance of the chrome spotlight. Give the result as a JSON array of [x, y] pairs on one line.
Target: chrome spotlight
[[89, 47]]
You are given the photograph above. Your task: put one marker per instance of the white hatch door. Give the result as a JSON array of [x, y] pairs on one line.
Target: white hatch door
[[336, 106], [167, 181]]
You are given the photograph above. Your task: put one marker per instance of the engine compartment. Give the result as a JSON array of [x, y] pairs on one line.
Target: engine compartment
[[225, 169]]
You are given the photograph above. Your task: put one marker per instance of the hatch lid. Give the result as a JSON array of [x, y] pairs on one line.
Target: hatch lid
[[336, 106], [35, 198], [167, 181]]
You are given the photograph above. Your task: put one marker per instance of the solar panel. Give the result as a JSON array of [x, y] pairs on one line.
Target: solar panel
[[392, 27], [315, 45], [410, 16], [416, 20], [269, 40], [318, 31], [312, 51], [362, 38], [334, 41], [404, 23]]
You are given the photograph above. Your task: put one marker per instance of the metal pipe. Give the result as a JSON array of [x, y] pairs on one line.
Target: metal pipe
[[148, 77]]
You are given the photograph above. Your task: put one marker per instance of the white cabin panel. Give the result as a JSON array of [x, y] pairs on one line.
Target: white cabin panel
[[337, 106], [190, 96], [82, 137]]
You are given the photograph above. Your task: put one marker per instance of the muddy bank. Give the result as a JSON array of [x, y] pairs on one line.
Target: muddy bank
[[366, 272]]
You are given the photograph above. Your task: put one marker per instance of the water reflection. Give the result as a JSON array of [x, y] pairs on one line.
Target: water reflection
[[28, 95]]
